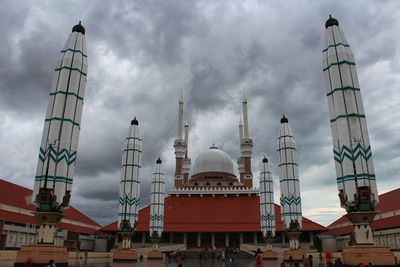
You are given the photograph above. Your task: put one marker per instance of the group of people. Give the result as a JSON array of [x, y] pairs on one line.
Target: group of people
[[29, 263]]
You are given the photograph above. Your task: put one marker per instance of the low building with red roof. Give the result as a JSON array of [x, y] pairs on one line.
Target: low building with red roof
[[386, 225], [223, 220], [18, 224]]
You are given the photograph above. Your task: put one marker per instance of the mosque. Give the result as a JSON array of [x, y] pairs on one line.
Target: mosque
[[209, 205]]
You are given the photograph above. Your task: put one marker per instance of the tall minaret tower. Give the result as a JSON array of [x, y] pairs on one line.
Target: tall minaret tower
[[157, 194], [180, 147], [186, 161], [246, 147], [58, 148], [240, 160], [351, 147], [267, 206], [129, 191], [289, 183]]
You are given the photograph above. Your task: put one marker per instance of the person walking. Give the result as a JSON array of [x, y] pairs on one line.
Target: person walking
[[259, 258], [52, 263]]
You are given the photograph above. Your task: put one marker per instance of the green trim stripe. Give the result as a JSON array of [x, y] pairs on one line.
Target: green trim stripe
[[62, 154], [348, 116], [51, 178], [133, 138], [343, 89], [335, 45], [131, 165], [358, 176], [266, 181], [266, 203], [71, 69], [67, 93], [156, 217], [285, 148], [157, 182], [289, 179], [266, 192], [129, 181], [267, 217], [127, 213], [283, 136], [290, 200], [63, 120], [132, 149], [287, 163], [129, 201], [74, 51], [291, 213], [157, 193], [346, 152], [339, 63]]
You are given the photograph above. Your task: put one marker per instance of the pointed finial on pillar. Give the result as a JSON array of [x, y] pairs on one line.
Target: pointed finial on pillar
[[79, 28], [284, 119], [331, 22], [158, 161], [134, 121]]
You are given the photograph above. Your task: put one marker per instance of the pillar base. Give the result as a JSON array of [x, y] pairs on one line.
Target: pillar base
[[296, 254], [270, 255], [41, 254], [125, 255], [378, 256], [155, 255]]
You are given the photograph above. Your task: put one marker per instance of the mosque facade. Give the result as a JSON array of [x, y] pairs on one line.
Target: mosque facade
[[209, 206]]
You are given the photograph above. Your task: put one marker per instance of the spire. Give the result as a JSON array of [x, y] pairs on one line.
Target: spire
[[180, 117], [240, 130], [187, 138], [245, 118]]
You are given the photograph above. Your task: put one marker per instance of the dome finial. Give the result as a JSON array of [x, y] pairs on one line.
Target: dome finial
[[331, 22], [79, 28], [265, 160], [158, 161], [213, 145], [134, 121], [284, 119]]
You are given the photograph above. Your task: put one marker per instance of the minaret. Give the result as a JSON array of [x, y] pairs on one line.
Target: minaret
[[180, 147], [351, 147], [289, 183], [58, 149], [187, 161], [246, 147], [267, 206], [240, 160], [157, 194], [129, 191]]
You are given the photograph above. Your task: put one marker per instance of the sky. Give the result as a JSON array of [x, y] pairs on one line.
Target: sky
[[140, 55]]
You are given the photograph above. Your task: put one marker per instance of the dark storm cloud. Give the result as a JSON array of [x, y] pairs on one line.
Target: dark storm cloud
[[141, 53]]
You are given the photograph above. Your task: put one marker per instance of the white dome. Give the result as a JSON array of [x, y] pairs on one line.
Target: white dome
[[213, 160]]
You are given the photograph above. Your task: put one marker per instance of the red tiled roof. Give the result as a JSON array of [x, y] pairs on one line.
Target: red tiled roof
[[18, 196], [212, 214], [387, 202]]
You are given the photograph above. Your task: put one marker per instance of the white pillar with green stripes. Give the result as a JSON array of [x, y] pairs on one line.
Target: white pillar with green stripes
[[58, 148], [289, 176], [267, 206], [157, 194], [129, 191], [351, 146]]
